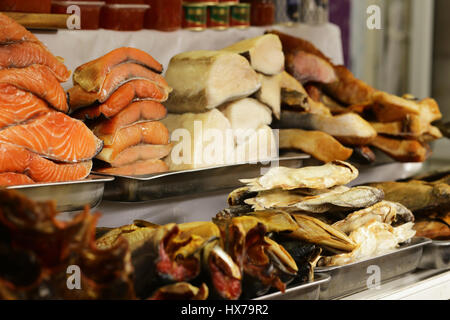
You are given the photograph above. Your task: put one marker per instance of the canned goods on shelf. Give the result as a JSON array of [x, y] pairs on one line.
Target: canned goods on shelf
[[218, 16], [240, 15], [164, 15], [195, 16], [123, 17]]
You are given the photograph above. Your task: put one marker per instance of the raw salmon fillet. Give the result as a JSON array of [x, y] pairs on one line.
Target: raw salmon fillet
[[11, 31], [153, 132], [24, 54], [121, 98], [14, 179], [17, 106], [91, 75], [138, 168], [19, 160], [135, 112], [135, 153], [120, 75], [38, 80], [55, 136]]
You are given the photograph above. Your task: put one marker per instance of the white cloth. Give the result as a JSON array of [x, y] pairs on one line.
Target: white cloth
[[80, 46]]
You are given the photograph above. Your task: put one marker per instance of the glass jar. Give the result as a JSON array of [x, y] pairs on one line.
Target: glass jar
[[262, 12], [164, 15]]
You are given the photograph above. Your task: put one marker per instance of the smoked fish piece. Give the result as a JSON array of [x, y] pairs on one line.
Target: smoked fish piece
[[138, 168], [151, 132], [17, 106], [19, 160], [8, 179], [135, 112], [24, 54], [133, 154], [55, 136], [91, 75], [38, 80]]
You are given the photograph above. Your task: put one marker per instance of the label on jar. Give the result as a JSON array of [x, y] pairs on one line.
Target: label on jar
[[218, 16], [240, 15], [194, 16]]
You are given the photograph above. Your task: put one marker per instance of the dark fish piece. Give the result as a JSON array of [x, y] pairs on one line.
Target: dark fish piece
[[363, 155]]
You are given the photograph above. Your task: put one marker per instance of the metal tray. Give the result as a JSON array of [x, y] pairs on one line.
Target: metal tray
[[353, 277], [307, 291], [69, 196], [189, 182], [436, 255]]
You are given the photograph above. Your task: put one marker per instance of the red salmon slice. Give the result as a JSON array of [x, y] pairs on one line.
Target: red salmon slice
[[138, 168], [55, 136], [153, 132], [19, 160], [18, 106], [38, 80], [134, 154], [24, 54], [92, 74], [307, 67], [118, 76], [9, 179], [135, 112], [11, 31], [121, 98]]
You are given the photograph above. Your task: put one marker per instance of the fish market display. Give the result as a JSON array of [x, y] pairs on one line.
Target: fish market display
[[357, 115], [34, 129], [312, 204], [119, 95], [428, 199]]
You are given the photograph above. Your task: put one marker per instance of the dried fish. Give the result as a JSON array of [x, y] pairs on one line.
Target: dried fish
[[320, 177], [181, 291]]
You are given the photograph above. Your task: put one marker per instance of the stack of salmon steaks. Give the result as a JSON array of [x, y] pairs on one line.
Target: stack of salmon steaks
[[119, 96], [38, 141]]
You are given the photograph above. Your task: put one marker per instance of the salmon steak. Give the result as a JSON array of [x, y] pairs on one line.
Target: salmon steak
[[120, 99], [138, 168], [121, 74], [135, 153], [91, 75], [11, 31], [14, 179], [38, 80], [18, 106], [24, 54], [55, 136], [19, 160], [135, 112], [152, 132]]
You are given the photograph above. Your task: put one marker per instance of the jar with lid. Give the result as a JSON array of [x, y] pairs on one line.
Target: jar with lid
[[164, 15], [262, 12]]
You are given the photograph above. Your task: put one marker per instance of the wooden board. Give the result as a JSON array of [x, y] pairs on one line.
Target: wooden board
[[40, 20]]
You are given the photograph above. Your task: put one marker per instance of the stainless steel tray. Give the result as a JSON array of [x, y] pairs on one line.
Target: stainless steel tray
[[69, 196], [352, 278], [436, 255], [182, 183], [307, 291]]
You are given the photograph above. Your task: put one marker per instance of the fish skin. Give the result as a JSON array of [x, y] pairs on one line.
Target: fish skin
[[38, 80], [24, 54], [18, 106], [140, 89], [151, 132], [355, 198], [55, 136], [320, 177], [137, 168], [132, 154], [8, 179], [136, 111], [92, 74]]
